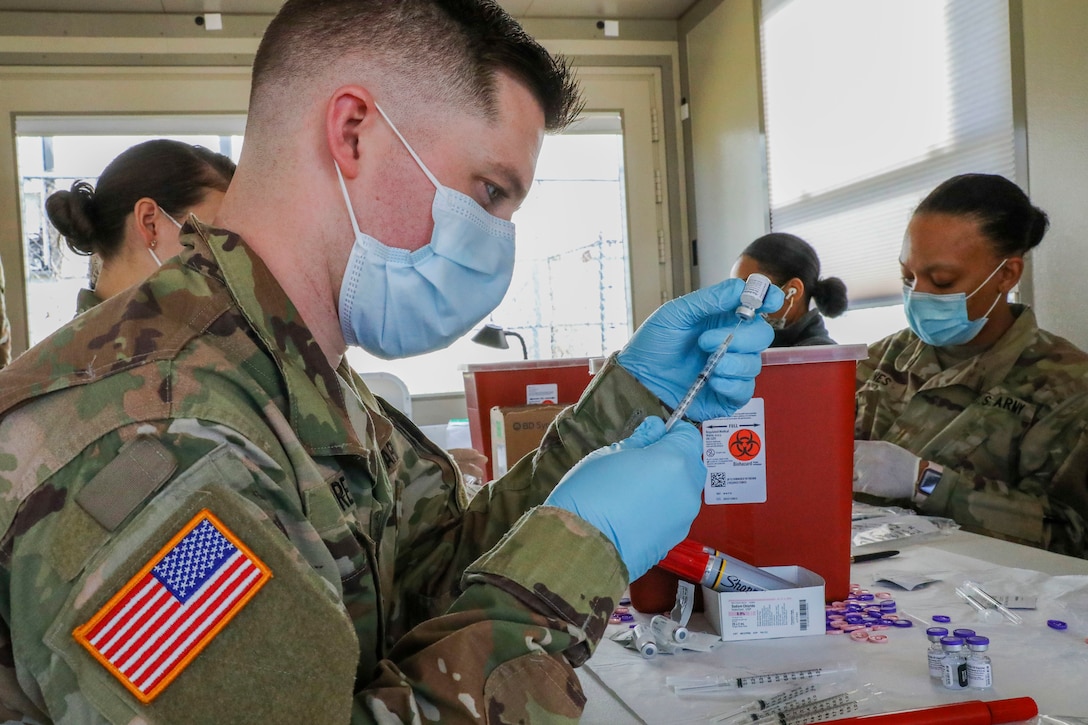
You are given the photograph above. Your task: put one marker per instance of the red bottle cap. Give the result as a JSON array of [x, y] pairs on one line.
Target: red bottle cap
[[1013, 710]]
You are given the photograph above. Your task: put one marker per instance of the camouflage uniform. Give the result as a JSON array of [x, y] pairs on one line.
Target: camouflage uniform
[[392, 597], [5, 327], [86, 299], [1009, 425]]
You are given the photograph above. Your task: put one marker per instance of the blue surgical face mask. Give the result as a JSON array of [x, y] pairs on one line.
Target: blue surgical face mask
[[941, 320], [396, 303]]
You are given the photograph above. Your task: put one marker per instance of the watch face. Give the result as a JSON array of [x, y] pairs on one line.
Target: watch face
[[930, 479]]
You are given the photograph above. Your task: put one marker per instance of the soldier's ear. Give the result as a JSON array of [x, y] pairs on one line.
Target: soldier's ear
[[1010, 274], [350, 114], [145, 215]]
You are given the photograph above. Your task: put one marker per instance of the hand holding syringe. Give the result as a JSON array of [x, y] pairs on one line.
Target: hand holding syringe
[[755, 289]]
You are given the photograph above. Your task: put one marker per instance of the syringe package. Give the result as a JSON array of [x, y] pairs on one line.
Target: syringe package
[[796, 612]]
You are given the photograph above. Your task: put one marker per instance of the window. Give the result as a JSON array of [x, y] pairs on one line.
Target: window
[[868, 105], [52, 153]]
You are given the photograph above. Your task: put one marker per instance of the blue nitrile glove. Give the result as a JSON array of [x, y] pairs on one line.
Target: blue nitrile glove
[[642, 493], [668, 351]]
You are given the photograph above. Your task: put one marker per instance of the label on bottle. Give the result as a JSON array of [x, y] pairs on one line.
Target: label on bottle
[[935, 669], [954, 672], [979, 674]]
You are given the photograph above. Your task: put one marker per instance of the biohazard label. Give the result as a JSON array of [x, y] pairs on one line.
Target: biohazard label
[[735, 453]]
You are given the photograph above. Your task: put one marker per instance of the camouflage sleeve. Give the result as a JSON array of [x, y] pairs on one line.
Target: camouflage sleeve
[[443, 533], [74, 562], [1047, 506], [503, 651]]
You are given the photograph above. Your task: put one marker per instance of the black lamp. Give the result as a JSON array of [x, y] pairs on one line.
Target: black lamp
[[494, 336]]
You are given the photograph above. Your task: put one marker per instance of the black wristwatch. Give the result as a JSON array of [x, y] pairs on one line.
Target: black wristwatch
[[928, 481]]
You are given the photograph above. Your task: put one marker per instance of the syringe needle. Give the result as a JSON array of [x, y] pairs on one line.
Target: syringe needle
[[751, 297], [681, 410]]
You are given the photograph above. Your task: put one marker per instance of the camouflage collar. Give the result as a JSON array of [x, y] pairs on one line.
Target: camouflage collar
[[317, 408], [979, 372], [86, 299]]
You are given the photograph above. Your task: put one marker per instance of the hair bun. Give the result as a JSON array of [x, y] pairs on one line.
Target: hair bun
[[72, 213], [830, 296]]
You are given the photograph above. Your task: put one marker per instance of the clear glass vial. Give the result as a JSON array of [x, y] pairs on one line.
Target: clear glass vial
[[979, 671], [935, 652], [954, 663]]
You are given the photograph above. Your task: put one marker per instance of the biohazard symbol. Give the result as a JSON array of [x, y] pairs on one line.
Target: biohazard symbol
[[745, 444]]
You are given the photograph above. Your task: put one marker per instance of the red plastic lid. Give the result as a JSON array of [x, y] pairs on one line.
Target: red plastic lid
[[685, 563], [1013, 709]]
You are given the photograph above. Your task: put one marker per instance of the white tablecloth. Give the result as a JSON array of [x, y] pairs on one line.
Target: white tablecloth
[[1029, 659]]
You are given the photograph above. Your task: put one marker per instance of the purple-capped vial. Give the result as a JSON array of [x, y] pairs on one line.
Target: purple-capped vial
[[979, 669], [935, 653], [953, 664], [963, 633]]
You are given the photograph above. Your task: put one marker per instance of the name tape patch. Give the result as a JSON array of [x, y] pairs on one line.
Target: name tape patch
[[159, 621]]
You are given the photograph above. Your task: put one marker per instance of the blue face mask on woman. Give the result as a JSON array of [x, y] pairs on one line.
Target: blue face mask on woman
[[941, 320], [396, 303]]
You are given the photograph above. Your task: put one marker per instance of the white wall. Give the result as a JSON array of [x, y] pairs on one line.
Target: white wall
[[730, 188], [1056, 72]]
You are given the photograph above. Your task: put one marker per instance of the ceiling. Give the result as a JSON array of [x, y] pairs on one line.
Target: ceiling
[[617, 9]]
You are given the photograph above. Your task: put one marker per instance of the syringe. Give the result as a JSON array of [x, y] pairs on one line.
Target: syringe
[[718, 682], [755, 289], [755, 709]]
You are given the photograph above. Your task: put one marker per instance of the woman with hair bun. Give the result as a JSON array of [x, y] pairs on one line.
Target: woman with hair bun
[[132, 221], [974, 413], [791, 263]]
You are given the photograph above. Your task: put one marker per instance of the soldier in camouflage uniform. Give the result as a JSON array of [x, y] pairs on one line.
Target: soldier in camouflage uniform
[[205, 516], [991, 430]]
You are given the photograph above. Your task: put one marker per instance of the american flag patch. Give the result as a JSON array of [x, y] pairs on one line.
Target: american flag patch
[[150, 631]]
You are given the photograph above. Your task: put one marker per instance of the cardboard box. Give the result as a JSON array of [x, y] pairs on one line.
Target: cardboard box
[[517, 430], [799, 612], [524, 382]]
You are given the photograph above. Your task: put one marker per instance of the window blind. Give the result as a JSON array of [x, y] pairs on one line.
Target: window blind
[[868, 105]]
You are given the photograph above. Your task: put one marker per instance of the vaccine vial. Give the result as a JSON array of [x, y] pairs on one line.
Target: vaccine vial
[[644, 641], [936, 653], [953, 664], [755, 289], [979, 671]]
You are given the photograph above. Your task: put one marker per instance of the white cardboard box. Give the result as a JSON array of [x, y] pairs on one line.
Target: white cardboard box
[[798, 612]]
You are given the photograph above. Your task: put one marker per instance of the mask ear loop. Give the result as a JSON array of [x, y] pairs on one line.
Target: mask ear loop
[[999, 292], [151, 249], [347, 199], [408, 146]]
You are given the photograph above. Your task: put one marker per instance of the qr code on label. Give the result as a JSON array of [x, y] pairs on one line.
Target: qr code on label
[[718, 478]]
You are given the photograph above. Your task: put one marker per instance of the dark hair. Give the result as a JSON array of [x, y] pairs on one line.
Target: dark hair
[[1004, 213], [447, 49], [783, 257], [176, 175]]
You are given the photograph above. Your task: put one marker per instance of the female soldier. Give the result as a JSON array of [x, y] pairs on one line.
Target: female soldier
[[132, 221], [792, 264], [974, 413]]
